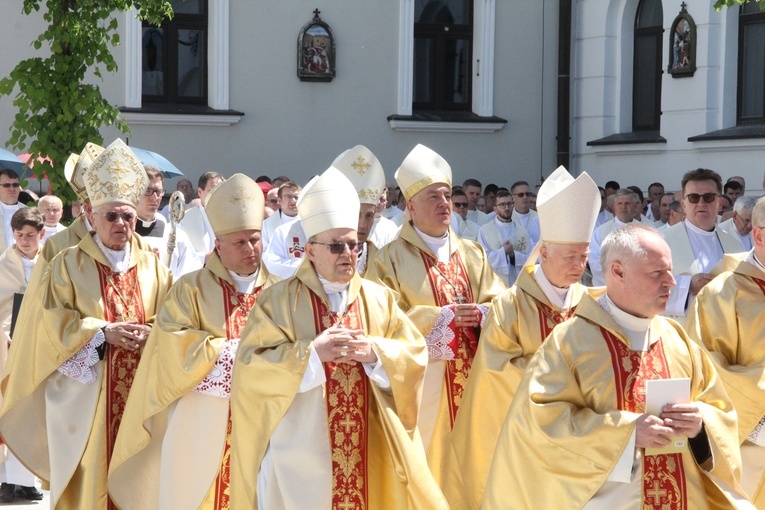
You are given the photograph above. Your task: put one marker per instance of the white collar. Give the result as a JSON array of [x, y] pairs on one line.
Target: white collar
[[696, 230], [438, 245], [244, 284], [337, 293], [557, 296], [119, 260]]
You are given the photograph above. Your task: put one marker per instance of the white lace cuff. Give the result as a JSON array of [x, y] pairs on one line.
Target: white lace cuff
[[484, 310], [440, 336], [218, 381], [757, 436], [78, 367]]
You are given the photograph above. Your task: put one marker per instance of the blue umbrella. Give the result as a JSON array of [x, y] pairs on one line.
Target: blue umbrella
[[158, 161], [11, 161]]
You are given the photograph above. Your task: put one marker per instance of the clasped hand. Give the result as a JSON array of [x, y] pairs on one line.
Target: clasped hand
[[129, 335], [674, 420], [341, 345], [467, 315]]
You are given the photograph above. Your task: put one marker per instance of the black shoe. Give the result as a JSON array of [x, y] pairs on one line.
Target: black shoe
[[7, 493], [30, 493]]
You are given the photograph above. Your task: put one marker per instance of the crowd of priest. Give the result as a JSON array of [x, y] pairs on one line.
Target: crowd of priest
[[354, 344]]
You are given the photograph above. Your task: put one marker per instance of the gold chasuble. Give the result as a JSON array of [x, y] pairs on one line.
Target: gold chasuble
[[575, 412], [344, 444], [518, 321], [727, 318], [173, 450], [63, 429], [423, 286]]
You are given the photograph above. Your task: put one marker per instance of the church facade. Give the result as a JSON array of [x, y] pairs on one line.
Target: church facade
[[503, 90]]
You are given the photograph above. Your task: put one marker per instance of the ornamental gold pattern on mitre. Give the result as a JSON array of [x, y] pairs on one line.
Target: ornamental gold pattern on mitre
[[116, 176]]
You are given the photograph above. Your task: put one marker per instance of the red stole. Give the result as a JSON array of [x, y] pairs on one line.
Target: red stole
[[450, 284], [760, 283], [122, 301], [549, 318], [237, 306], [347, 414], [664, 484]]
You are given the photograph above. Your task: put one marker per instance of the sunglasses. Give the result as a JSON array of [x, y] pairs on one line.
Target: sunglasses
[[10, 185], [459, 204], [504, 205], [339, 248], [112, 216], [523, 194], [695, 197]]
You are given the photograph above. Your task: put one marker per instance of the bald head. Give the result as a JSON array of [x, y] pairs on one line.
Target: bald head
[[52, 208]]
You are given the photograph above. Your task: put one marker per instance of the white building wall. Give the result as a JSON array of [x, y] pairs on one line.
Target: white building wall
[[706, 102], [297, 128]]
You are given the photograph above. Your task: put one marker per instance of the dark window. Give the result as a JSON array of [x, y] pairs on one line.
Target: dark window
[[751, 65], [647, 68], [175, 56], [443, 41]]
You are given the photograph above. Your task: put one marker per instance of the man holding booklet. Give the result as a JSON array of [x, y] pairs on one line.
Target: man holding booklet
[[578, 434]]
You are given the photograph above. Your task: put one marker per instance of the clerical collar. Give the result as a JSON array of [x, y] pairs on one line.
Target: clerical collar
[[693, 228], [244, 284], [438, 245], [636, 328], [618, 222], [147, 224], [87, 223], [523, 215], [337, 293], [557, 296], [119, 260], [501, 222]]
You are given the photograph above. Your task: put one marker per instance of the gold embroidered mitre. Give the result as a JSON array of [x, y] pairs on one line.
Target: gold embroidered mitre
[[365, 172], [116, 175], [421, 168], [234, 205], [329, 201], [77, 165]]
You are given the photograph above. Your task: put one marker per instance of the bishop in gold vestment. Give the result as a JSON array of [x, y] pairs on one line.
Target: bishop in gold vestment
[[444, 285], [518, 322], [66, 388], [577, 431], [173, 449], [327, 382], [727, 319]]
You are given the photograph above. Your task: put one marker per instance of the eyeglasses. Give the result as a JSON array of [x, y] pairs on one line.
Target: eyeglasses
[[523, 194], [459, 204], [339, 248], [149, 192], [112, 216], [695, 197], [10, 185], [503, 205]]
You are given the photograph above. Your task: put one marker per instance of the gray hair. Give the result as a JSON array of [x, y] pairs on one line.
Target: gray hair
[[676, 206], [744, 204], [623, 244], [758, 213], [627, 192]]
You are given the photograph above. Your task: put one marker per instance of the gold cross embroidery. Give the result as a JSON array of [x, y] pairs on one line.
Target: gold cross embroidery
[[361, 165], [656, 493], [240, 198]]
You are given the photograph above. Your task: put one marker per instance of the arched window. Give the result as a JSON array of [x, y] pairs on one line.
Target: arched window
[[751, 65], [647, 68], [443, 38]]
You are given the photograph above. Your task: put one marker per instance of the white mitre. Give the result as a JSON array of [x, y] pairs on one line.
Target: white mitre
[[567, 209], [329, 201], [234, 205], [75, 168], [421, 168], [116, 176], [365, 172]]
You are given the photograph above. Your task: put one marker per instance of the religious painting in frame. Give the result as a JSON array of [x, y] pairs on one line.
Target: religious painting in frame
[[682, 45], [316, 51]]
